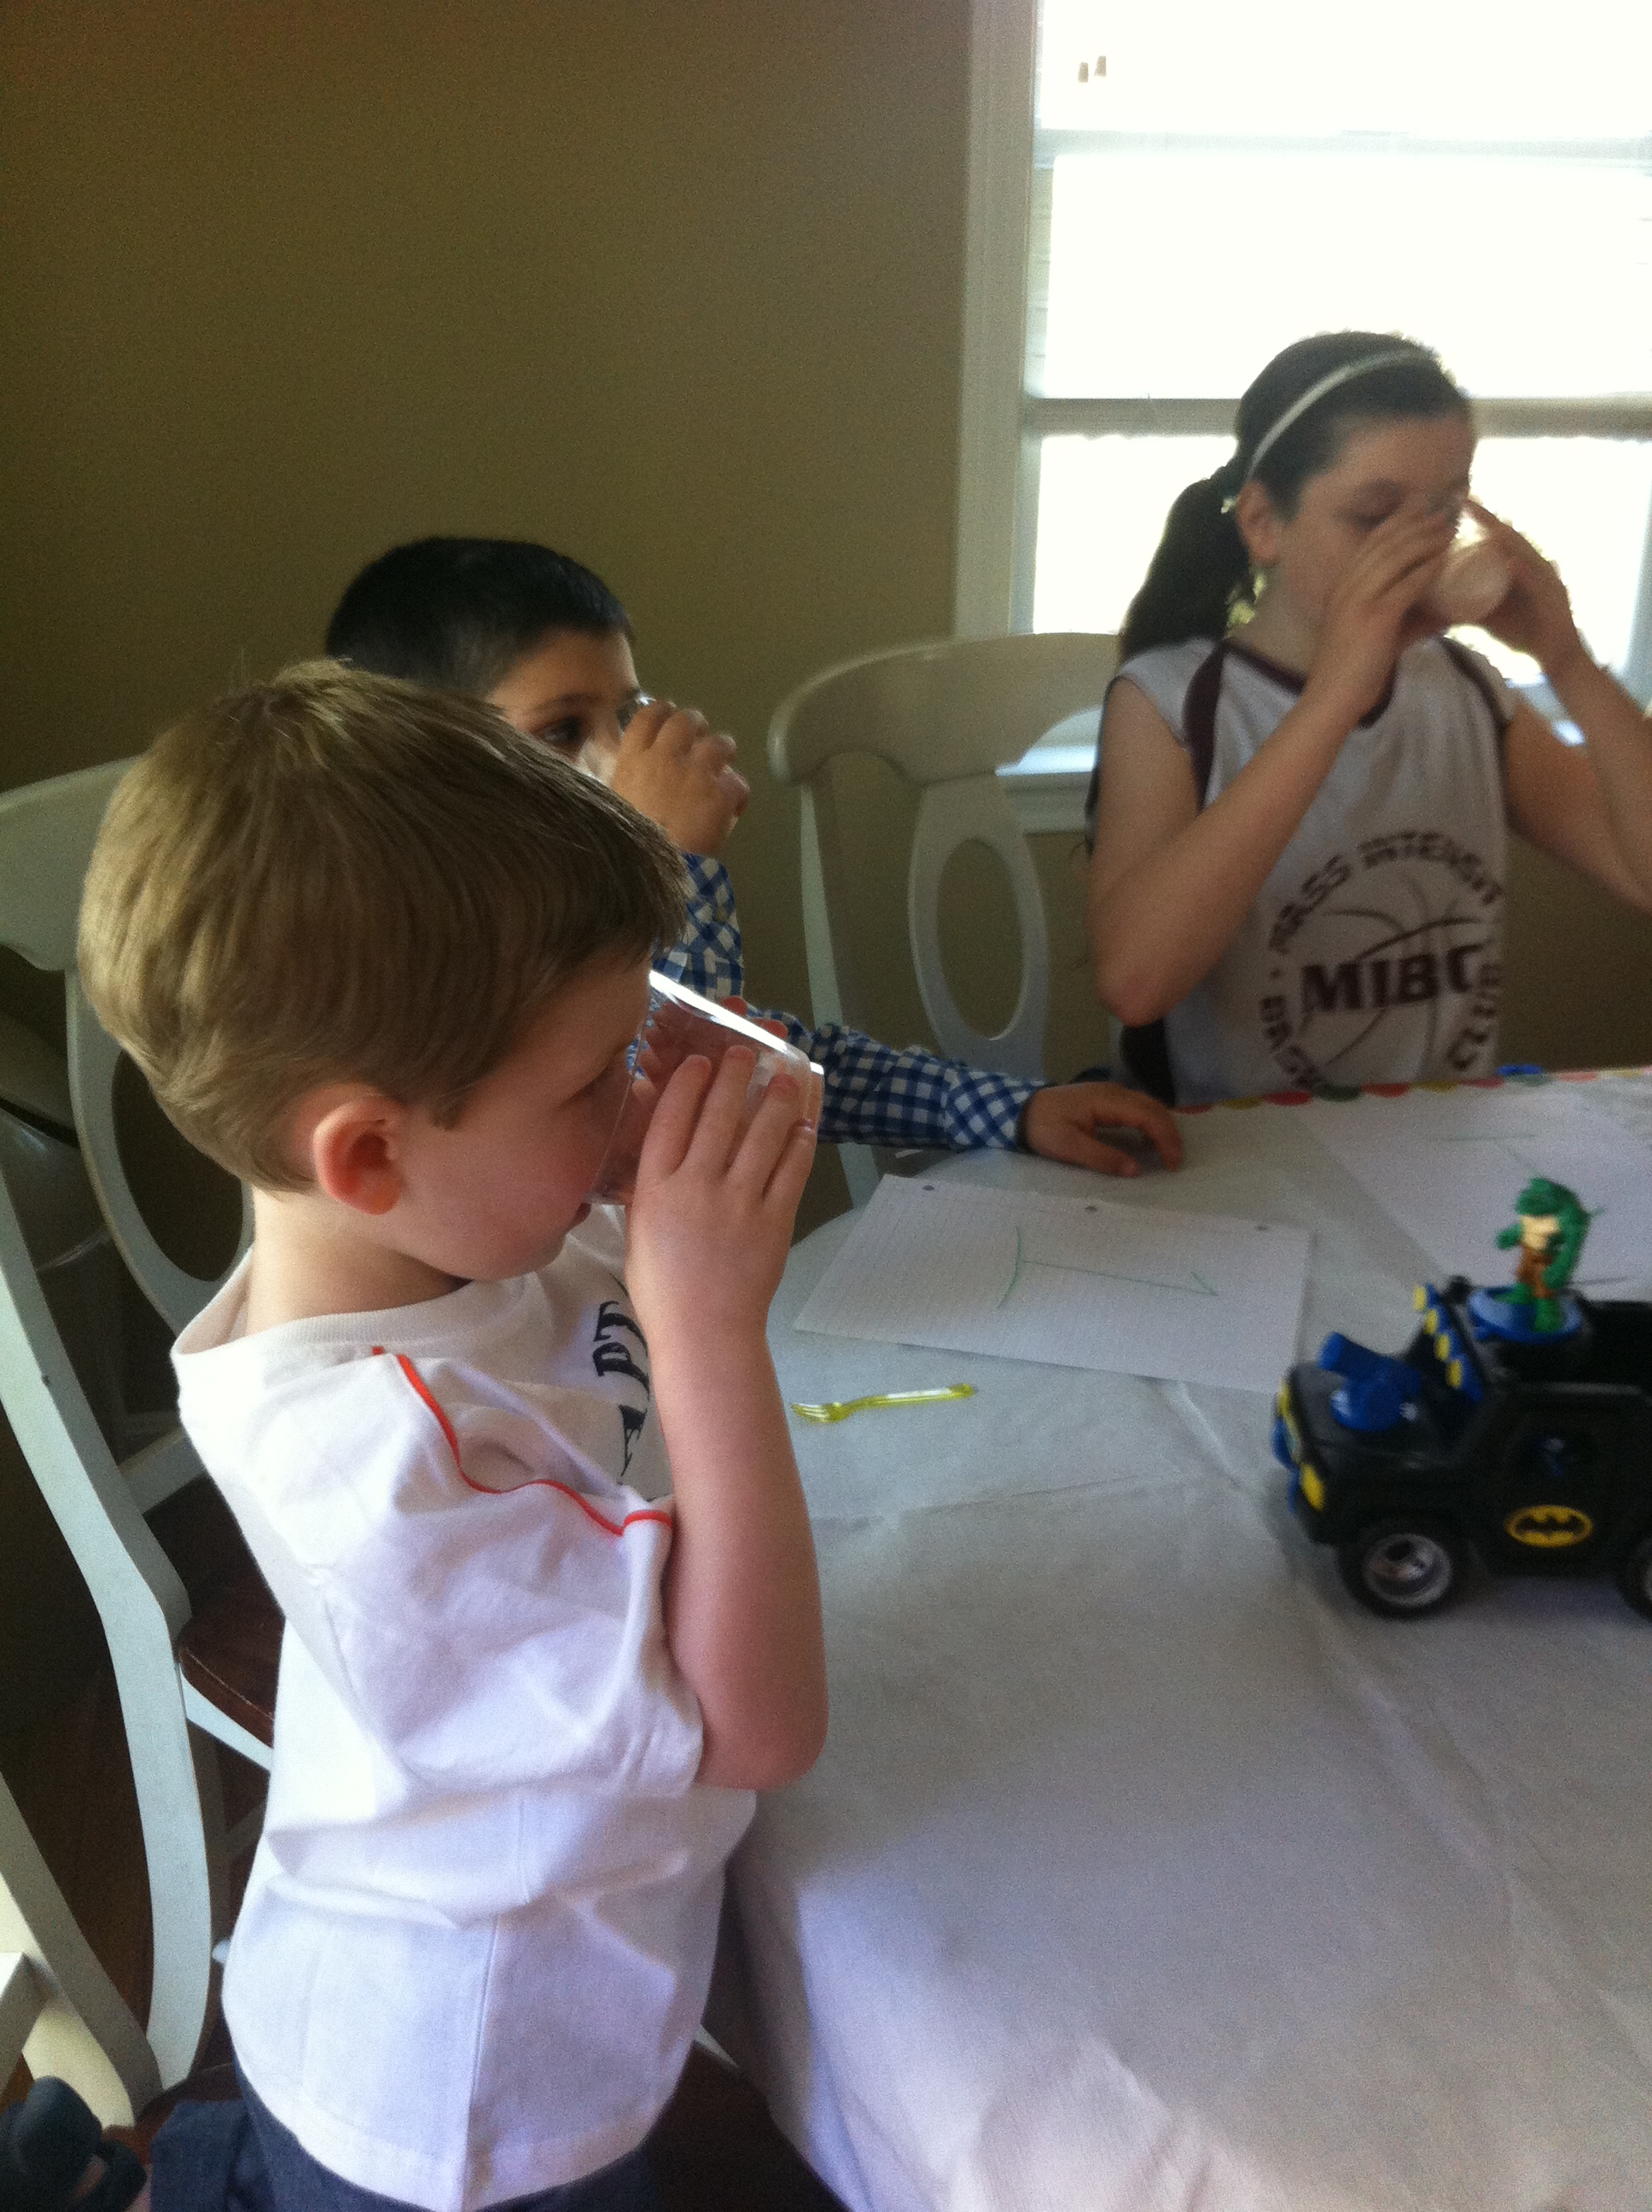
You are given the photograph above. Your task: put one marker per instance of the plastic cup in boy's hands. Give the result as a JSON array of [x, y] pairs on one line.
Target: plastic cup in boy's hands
[[678, 1024]]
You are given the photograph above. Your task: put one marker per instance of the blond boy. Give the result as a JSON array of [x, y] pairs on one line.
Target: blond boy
[[519, 1479]]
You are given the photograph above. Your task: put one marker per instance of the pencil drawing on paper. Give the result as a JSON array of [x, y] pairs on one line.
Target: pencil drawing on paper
[[1028, 1267], [1132, 1289]]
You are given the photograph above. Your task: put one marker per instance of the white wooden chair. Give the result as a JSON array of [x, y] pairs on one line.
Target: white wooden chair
[[58, 2009], [171, 1669], [946, 716]]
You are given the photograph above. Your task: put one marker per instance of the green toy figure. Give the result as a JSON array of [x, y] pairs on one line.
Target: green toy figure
[[1549, 1233]]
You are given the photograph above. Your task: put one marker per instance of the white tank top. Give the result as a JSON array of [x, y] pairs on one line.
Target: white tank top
[[1374, 950]]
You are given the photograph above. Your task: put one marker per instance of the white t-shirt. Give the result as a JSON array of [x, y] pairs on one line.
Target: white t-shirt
[[478, 1933], [1373, 952]]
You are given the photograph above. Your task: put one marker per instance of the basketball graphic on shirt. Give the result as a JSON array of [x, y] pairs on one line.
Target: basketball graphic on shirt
[[1388, 955], [1372, 950]]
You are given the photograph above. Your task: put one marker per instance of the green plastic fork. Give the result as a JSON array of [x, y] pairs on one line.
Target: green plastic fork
[[839, 1409]]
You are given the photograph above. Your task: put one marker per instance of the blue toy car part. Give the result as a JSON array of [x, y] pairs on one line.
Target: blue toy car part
[[1374, 1391], [1491, 1313]]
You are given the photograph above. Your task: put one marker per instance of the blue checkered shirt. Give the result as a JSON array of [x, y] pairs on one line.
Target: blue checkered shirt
[[874, 1094]]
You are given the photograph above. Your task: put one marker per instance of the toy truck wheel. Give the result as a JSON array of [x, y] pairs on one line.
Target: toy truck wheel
[[1635, 1577], [1404, 1568]]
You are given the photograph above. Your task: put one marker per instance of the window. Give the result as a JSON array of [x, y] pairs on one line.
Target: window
[[1180, 190]]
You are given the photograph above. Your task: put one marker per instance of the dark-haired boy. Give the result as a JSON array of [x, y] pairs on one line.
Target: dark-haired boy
[[545, 640]]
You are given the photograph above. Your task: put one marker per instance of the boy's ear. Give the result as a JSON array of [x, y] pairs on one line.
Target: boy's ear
[[1258, 523], [355, 1150]]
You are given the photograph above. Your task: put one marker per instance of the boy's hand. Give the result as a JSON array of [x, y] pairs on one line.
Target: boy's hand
[[1061, 1124], [709, 1231], [676, 769], [711, 1223]]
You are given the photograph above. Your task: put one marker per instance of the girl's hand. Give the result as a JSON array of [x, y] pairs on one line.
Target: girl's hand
[[1534, 616], [1375, 610], [711, 1223]]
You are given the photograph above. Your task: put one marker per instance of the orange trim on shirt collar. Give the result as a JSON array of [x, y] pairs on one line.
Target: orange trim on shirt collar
[[539, 1482]]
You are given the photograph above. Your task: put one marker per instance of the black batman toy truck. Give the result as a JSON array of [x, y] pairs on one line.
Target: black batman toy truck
[[1516, 1432]]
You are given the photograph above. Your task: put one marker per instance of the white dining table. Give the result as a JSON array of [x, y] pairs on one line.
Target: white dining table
[[1144, 1870]]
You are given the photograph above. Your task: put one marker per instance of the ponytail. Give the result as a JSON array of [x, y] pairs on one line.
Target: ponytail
[[1291, 423], [1200, 570]]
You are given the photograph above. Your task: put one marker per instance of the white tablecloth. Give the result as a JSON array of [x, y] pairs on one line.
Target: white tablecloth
[[1142, 1868]]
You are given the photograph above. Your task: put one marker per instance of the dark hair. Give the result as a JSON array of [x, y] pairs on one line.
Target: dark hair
[[1201, 570], [458, 612]]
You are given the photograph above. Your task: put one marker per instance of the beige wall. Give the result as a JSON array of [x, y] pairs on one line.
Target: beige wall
[[675, 287]]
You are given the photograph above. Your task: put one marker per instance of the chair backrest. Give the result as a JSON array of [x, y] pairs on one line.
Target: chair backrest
[[63, 1196], [947, 717], [57, 1203], [58, 2009], [47, 833]]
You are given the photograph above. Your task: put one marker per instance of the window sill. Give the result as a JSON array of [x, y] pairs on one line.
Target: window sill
[[1047, 788]]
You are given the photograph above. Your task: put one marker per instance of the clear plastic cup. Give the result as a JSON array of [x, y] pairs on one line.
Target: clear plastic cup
[[598, 756], [678, 1024], [1475, 579]]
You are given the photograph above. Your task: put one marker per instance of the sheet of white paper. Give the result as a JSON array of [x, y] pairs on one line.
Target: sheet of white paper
[[1447, 1167], [1186, 1298]]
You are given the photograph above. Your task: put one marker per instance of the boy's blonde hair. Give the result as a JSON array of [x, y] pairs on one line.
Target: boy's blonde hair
[[343, 878]]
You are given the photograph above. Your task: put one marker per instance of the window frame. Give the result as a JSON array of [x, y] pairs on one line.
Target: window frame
[[1003, 423]]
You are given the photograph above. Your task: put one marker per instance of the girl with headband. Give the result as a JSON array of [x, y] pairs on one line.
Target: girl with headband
[[1298, 827]]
